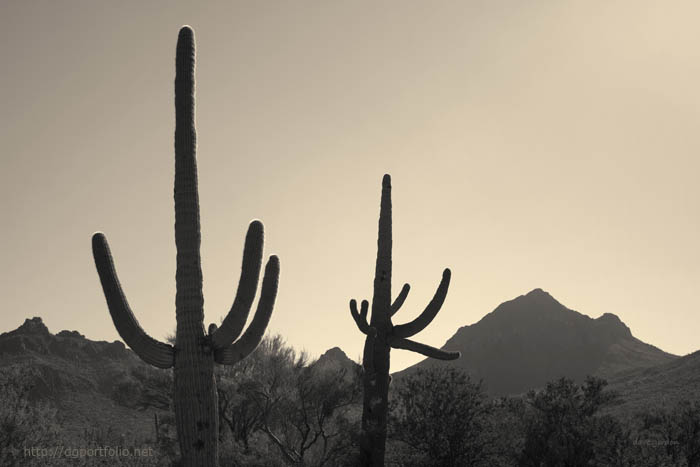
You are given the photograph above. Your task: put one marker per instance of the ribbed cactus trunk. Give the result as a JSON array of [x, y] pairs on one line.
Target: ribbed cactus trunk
[[195, 388], [194, 354], [382, 335], [377, 349]]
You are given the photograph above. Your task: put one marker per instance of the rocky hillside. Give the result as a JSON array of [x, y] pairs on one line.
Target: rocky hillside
[[101, 387], [660, 386]]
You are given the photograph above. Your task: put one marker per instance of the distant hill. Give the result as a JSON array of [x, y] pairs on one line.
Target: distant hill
[[103, 386], [99, 386], [533, 339], [335, 359], [660, 386]]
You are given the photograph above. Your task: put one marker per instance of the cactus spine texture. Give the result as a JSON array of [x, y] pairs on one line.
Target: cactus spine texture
[[382, 336], [195, 351]]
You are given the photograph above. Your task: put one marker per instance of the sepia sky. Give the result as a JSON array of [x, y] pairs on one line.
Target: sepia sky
[[549, 144]]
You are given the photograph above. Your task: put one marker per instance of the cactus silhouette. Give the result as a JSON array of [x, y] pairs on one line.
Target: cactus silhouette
[[382, 336], [194, 353]]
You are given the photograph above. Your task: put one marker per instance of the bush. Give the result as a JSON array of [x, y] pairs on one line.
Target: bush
[[563, 426], [276, 408], [24, 423], [439, 417]]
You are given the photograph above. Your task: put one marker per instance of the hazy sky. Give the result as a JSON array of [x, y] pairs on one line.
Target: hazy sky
[[548, 144]]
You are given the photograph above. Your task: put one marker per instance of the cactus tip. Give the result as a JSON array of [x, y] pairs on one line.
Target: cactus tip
[[386, 181], [98, 240], [256, 225], [186, 31], [185, 43]]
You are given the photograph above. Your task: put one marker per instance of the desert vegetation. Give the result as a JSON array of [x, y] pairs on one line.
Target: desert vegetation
[[278, 408]]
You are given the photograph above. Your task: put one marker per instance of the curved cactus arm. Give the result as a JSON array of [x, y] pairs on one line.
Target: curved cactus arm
[[398, 303], [253, 335], [424, 319], [235, 320], [361, 317], [151, 351], [427, 350]]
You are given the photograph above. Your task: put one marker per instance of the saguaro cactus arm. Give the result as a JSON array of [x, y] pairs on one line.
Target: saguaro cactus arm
[[253, 335], [361, 317], [427, 350], [235, 320], [158, 354], [424, 319], [396, 306]]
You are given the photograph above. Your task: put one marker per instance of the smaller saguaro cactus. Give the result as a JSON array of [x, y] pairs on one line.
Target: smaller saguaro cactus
[[195, 351], [382, 336]]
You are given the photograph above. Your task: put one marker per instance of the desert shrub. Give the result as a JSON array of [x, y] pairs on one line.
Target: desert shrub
[[506, 423], [278, 409], [100, 446], [670, 436], [144, 388], [24, 423], [439, 417], [563, 426]]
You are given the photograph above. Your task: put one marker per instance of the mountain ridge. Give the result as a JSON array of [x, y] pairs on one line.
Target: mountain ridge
[[95, 384], [520, 345], [533, 338]]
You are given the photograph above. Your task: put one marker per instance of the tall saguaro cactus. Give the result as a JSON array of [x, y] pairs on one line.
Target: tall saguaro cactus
[[382, 336], [195, 350]]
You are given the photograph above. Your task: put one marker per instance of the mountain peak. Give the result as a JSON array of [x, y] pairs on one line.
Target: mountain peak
[[535, 304], [539, 295], [614, 324], [610, 317], [33, 326], [336, 353], [34, 337], [533, 338], [335, 359]]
